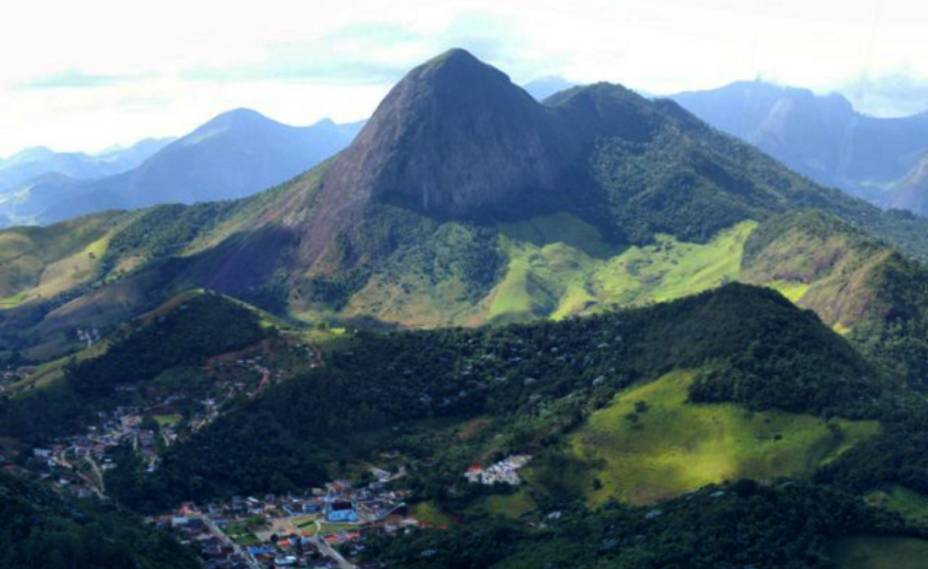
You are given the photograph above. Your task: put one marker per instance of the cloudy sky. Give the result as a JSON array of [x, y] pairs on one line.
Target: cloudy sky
[[89, 74]]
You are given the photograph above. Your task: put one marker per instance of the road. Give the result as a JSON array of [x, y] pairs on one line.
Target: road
[[228, 541], [97, 487], [97, 471], [330, 552]]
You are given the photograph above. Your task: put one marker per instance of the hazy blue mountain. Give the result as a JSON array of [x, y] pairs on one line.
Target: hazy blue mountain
[[544, 87], [822, 137], [24, 167], [132, 156], [235, 154], [911, 192]]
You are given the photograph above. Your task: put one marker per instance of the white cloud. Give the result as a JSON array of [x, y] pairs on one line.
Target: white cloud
[[84, 75]]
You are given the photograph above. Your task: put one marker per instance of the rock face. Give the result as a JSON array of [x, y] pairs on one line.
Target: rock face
[[453, 137]]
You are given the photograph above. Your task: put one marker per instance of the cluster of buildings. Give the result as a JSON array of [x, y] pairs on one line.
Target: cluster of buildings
[[505, 471], [318, 528], [77, 462]]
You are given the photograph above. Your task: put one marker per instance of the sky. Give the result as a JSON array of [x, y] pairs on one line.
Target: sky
[[91, 74]]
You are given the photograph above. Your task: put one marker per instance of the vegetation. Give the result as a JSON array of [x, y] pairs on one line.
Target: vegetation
[[650, 444], [869, 552], [26, 253], [559, 266], [537, 381], [163, 231], [181, 334], [910, 505], [39, 528], [737, 525]]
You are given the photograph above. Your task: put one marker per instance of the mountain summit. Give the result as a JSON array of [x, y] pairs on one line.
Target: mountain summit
[[455, 135]]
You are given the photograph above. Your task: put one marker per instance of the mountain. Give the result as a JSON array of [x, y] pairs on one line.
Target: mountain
[[233, 155], [27, 165], [544, 87], [911, 192], [135, 154], [821, 137], [464, 201]]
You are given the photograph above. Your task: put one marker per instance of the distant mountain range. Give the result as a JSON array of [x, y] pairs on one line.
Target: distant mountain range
[[824, 138], [31, 163], [544, 87], [233, 155]]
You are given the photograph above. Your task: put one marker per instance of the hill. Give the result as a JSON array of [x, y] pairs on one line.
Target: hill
[[233, 155], [856, 284], [734, 525], [43, 529], [821, 137], [157, 357], [532, 384]]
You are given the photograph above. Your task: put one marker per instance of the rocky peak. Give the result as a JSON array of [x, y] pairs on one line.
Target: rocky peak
[[454, 136]]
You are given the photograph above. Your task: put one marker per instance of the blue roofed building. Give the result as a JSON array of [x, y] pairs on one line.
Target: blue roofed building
[[340, 511]]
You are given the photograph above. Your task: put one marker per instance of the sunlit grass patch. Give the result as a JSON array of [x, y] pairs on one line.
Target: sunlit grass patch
[[650, 444]]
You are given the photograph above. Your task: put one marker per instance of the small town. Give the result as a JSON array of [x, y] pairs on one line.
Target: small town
[[77, 462], [323, 527]]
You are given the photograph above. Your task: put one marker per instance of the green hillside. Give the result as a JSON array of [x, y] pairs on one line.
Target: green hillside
[[743, 524], [880, 553], [176, 338], [535, 384], [40, 263], [650, 443]]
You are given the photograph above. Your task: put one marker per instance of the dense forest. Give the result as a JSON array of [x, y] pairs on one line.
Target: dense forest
[[39, 528], [743, 524]]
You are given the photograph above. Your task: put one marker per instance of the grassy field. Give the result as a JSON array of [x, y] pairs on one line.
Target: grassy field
[[324, 529], [867, 552], [911, 505], [430, 513], [172, 419], [674, 446], [559, 266], [509, 505]]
